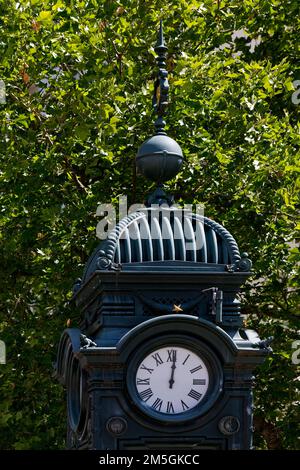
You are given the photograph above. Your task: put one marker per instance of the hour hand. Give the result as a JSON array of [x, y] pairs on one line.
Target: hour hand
[[173, 367]]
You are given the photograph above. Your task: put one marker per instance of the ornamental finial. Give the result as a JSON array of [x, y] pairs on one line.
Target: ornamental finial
[[161, 85], [160, 158]]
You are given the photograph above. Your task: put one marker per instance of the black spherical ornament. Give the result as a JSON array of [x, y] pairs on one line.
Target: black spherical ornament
[[159, 158]]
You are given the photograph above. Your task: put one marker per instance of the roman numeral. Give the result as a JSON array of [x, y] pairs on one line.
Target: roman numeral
[[199, 381], [143, 381], [186, 359], [158, 359], [195, 395], [184, 406], [157, 404], [192, 371], [172, 355], [146, 368], [170, 408], [146, 394]]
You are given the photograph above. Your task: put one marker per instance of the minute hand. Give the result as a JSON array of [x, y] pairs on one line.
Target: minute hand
[[173, 367]]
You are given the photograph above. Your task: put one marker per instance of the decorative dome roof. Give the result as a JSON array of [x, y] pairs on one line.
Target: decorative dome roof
[[167, 237]]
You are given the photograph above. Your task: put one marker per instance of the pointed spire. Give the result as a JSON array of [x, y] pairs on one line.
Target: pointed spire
[[160, 48], [161, 86], [161, 41]]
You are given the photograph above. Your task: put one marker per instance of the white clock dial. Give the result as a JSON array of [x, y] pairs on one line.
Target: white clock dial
[[171, 380]]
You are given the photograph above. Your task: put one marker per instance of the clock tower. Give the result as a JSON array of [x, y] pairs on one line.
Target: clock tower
[[161, 359]]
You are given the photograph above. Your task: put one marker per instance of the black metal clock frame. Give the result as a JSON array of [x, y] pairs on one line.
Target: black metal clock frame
[[192, 343]]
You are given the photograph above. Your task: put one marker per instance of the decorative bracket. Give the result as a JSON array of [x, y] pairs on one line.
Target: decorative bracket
[[244, 264], [86, 342], [265, 343], [104, 262]]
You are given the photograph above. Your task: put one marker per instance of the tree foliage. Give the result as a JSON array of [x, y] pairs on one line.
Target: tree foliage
[[79, 77]]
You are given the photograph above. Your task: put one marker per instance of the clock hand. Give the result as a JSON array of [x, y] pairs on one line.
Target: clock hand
[[173, 367]]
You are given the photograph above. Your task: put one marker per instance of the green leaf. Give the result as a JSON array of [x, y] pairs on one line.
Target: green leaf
[[113, 123], [82, 131], [266, 84], [45, 16]]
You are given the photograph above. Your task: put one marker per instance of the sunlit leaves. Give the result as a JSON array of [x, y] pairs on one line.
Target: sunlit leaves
[[79, 79], [45, 17]]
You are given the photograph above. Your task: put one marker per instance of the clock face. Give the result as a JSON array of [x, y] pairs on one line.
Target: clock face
[[171, 380]]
